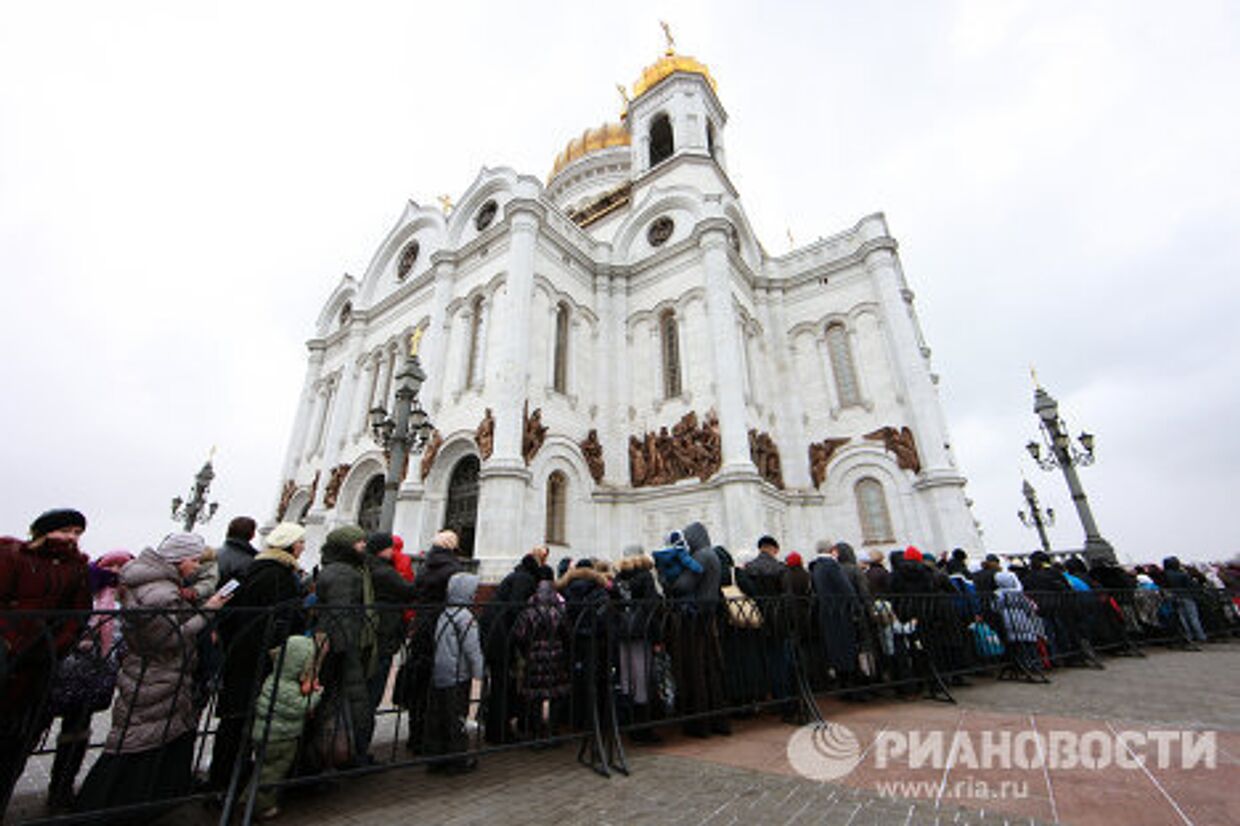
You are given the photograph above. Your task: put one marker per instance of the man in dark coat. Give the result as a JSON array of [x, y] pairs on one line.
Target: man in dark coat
[[497, 619], [430, 589], [263, 612], [391, 590], [877, 577], [47, 573], [236, 554], [836, 599], [765, 579], [699, 655]]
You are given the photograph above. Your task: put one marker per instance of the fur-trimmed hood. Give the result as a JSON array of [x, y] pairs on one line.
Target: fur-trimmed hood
[[574, 574], [640, 562]]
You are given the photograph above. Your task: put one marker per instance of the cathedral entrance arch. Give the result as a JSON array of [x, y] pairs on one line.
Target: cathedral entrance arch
[[371, 507], [461, 514]]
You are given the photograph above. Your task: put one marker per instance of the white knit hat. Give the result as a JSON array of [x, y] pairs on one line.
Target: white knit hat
[[285, 535]]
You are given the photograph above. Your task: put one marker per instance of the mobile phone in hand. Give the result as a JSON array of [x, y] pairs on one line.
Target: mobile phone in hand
[[229, 586]]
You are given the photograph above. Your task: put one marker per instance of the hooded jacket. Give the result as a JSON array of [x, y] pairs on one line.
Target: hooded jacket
[[706, 588], [155, 687], [458, 653], [345, 585], [1020, 616], [288, 716]]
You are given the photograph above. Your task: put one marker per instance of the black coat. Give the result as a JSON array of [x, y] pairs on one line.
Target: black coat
[[836, 603], [510, 598], [639, 616], [431, 583], [247, 635], [390, 589], [235, 558]]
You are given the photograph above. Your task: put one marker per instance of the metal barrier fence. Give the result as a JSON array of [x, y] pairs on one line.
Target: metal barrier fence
[[230, 708]]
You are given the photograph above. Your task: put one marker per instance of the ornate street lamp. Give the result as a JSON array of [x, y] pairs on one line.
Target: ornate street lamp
[[1036, 518], [197, 511], [403, 433], [1063, 453]]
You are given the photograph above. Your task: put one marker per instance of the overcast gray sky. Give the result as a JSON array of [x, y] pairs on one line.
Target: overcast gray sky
[[182, 185]]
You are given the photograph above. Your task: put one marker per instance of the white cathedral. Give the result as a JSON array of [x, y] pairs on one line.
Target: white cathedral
[[612, 354]]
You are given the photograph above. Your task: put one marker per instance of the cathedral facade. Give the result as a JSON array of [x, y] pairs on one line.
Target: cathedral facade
[[612, 353]]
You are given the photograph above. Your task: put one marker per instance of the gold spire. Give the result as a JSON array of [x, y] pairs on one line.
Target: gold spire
[[671, 41], [1033, 373]]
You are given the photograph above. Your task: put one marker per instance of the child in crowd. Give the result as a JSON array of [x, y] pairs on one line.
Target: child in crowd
[[673, 562], [297, 692], [458, 664]]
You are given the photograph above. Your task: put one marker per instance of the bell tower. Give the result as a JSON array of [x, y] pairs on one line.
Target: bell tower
[[674, 110]]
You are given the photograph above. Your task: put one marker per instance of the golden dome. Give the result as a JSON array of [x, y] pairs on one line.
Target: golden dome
[[665, 66], [591, 140]]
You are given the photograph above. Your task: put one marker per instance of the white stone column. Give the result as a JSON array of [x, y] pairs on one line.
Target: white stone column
[[368, 375], [740, 512], [384, 379], [505, 478], [912, 376], [434, 349], [725, 350], [788, 401], [341, 414], [315, 431], [301, 423]]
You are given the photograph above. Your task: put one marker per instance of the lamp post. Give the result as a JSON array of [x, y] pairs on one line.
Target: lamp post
[[197, 510], [404, 432], [1036, 518], [1066, 455]]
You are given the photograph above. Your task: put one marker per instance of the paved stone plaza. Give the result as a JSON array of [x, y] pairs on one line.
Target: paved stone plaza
[[747, 779]]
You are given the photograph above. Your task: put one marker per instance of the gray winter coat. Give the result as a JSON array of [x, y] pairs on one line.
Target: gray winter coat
[[154, 700], [458, 652], [706, 591]]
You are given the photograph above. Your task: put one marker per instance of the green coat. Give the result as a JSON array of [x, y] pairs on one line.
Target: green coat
[[291, 706]]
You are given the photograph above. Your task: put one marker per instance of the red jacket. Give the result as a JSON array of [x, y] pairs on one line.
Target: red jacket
[[51, 577]]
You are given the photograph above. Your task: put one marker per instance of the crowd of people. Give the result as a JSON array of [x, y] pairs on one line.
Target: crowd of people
[[292, 667]]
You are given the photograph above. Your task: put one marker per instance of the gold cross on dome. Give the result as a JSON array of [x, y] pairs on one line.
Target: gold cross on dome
[[415, 340], [671, 41], [445, 203]]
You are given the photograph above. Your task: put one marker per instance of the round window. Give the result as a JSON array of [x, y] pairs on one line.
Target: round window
[[660, 230], [408, 257], [486, 215]]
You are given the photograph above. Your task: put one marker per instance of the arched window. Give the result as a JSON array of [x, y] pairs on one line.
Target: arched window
[[872, 509], [371, 507], [559, 378], [661, 143], [671, 354], [473, 369], [840, 353], [408, 256], [710, 138], [557, 505], [346, 314]]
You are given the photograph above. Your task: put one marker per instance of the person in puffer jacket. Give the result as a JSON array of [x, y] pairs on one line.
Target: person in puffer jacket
[[280, 721], [458, 664]]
